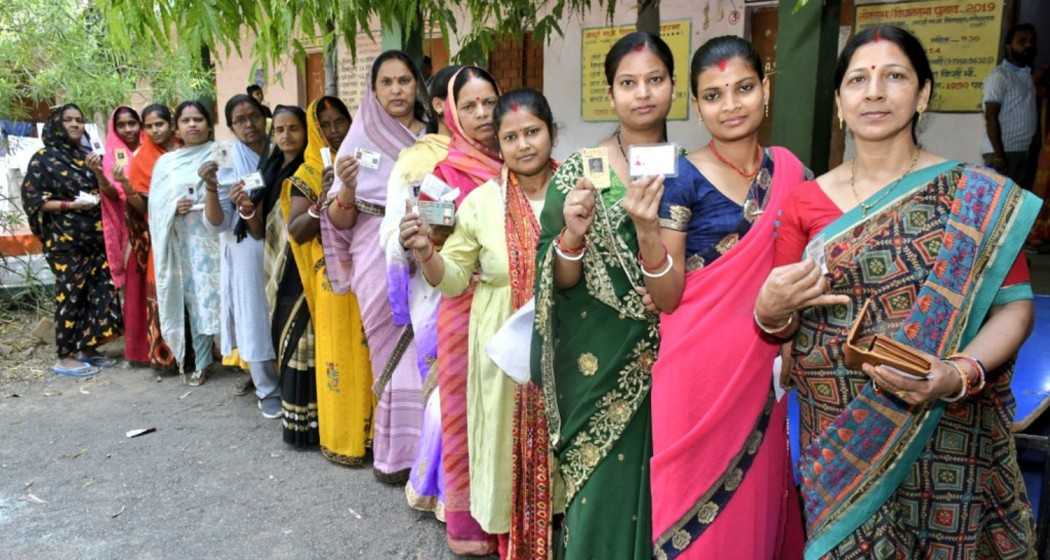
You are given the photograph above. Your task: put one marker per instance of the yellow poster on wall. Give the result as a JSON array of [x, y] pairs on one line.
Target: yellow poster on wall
[[594, 100], [961, 38]]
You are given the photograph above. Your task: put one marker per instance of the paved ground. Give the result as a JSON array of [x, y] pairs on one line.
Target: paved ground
[[214, 481]]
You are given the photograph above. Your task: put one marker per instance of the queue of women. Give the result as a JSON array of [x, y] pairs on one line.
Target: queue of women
[[651, 426]]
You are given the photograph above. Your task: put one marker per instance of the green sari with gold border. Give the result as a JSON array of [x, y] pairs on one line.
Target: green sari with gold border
[[593, 350]]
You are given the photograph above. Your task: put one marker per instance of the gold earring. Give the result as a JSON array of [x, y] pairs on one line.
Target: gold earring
[[842, 122], [767, 110]]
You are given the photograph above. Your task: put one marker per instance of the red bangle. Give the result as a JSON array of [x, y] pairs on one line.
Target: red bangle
[[63, 206], [571, 252], [343, 206], [429, 256], [975, 382]]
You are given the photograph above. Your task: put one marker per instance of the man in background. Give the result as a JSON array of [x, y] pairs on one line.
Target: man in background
[[1010, 113], [256, 91]]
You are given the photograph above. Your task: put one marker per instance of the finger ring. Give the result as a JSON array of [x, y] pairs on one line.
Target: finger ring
[[878, 390]]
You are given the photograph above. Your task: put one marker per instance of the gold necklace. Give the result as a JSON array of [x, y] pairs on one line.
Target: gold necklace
[[865, 206]]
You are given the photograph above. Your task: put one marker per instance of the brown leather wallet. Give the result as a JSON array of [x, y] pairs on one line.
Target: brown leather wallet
[[879, 350]]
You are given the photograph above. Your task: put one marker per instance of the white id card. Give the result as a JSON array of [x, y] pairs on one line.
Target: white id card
[[326, 156], [436, 189], [97, 147], [650, 160], [815, 250], [367, 158], [253, 182], [220, 154]]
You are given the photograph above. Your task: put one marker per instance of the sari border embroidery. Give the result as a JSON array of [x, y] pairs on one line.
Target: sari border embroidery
[[688, 529], [403, 343]]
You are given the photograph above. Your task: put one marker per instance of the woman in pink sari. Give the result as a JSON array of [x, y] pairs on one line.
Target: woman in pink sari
[[123, 138], [720, 474], [472, 160], [389, 120]]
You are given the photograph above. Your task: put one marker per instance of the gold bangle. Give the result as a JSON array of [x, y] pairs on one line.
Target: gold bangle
[[773, 331], [962, 378]]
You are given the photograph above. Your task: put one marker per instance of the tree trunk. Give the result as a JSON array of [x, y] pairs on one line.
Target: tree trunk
[[649, 16], [331, 63]]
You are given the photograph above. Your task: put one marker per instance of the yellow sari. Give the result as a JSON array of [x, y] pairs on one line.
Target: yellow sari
[[344, 374]]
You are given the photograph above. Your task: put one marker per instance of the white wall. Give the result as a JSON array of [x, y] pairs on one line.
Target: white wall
[[562, 71]]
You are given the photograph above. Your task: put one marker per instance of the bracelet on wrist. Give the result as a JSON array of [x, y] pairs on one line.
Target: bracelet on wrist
[[975, 379], [773, 330], [429, 256], [314, 212], [571, 255], [962, 380], [661, 264], [248, 217], [343, 205], [667, 268]]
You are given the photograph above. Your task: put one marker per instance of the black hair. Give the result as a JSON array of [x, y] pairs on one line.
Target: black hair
[[718, 49], [439, 90], [528, 99], [253, 88], [1019, 28], [293, 109], [240, 99], [468, 73], [160, 110], [636, 41], [419, 108], [125, 109], [196, 105], [332, 102], [907, 42]]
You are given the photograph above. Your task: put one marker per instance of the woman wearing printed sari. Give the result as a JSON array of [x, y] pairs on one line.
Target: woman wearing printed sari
[[595, 341], [472, 159], [185, 250], [293, 338], [389, 119], [344, 377], [159, 138], [413, 300], [926, 253], [508, 433], [706, 248], [231, 211], [87, 311], [123, 138]]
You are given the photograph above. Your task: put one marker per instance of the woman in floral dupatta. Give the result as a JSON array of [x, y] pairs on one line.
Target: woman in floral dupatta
[[898, 466], [595, 340], [472, 159], [413, 300], [721, 474], [159, 138], [344, 375], [388, 120]]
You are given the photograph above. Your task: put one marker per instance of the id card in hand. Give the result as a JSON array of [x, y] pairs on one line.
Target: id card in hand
[[815, 251], [122, 156], [650, 160], [97, 147], [253, 182], [367, 158], [220, 154], [437, 213], [596, 167], [326, 156]]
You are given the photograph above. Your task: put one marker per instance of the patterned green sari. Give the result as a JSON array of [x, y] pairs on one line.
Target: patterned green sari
[[592, 353], [882, 479]]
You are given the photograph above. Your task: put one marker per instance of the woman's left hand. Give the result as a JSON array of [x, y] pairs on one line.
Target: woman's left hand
[[642, 203], [943, 381], [94, 162]]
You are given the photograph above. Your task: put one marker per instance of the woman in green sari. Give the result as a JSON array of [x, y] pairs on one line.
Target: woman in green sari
[[923, 252], [595, 340]]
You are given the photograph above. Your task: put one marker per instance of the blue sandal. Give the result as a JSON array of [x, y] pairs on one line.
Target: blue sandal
[[97, 360], [84, 370]]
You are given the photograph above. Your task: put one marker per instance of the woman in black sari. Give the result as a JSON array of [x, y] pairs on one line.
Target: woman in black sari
[[60, 198]]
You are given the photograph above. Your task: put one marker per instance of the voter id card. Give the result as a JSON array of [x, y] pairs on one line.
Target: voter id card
[[220, 154], [815, 250], [326, 156], [650, 160], [437, 213], [367, 158], [596, 167], [122, 156], [96, 147], [253, 182]]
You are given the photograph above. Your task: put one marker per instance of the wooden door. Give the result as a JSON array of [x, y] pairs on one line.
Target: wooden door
[[762, 23], [314, 77]]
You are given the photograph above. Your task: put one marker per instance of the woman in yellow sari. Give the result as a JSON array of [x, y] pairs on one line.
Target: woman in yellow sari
[[344, 373]]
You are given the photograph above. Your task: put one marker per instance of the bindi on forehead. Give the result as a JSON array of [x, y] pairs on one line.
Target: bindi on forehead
[[639, 47]]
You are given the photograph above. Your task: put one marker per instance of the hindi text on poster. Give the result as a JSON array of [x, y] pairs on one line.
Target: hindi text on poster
[[961, 39], [594, 102]]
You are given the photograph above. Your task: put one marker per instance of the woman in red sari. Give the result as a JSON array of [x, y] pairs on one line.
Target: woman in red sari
[[159, 138], [472, 160], [720, 474]]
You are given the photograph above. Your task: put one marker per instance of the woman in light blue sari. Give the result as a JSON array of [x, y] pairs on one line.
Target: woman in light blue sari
[[185, 251], [902, 460], [229, 209]]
